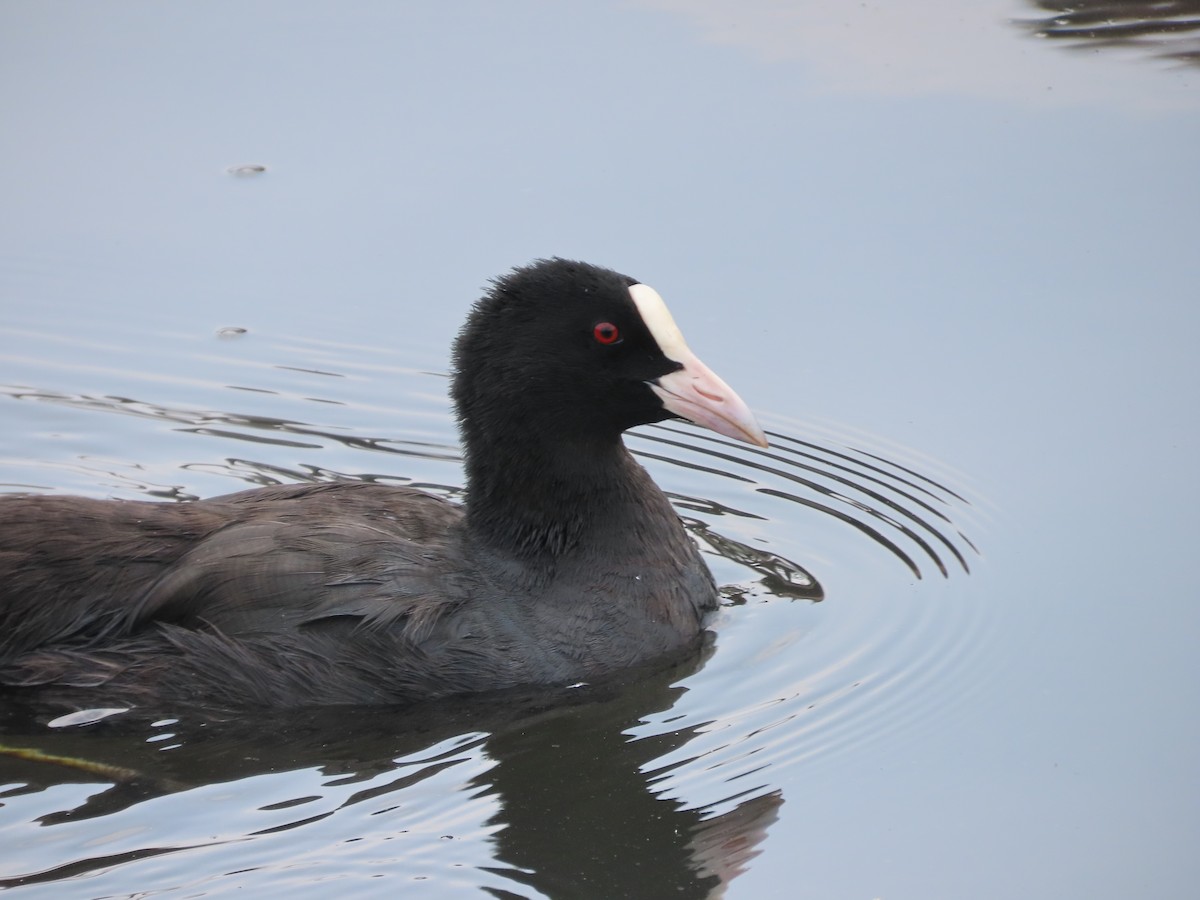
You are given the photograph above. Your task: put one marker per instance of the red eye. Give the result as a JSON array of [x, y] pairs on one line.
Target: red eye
[[606, 333]]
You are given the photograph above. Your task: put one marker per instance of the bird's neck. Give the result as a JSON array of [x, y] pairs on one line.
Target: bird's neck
[[548, 502]]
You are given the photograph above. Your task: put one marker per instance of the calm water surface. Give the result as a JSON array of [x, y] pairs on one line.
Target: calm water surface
[[947, 255]]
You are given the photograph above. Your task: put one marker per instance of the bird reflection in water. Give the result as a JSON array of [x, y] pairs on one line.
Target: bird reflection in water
[[571, 800]]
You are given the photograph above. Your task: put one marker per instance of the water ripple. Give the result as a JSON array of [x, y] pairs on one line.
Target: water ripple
[[822, 644]]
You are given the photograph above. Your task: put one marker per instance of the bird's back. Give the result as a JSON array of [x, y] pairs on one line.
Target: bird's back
[[84, 581]]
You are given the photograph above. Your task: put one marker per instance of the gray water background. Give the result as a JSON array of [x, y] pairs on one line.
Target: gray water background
[[921, 231]]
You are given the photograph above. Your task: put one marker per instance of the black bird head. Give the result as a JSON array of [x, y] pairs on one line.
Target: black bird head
[[566, 352]]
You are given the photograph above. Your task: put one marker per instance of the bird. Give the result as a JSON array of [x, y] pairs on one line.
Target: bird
[[565, 563]]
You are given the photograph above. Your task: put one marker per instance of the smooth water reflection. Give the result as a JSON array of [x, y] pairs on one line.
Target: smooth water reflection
[[558, 796]]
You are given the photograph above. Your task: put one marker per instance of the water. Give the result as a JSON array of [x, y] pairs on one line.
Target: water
[[951, 266]]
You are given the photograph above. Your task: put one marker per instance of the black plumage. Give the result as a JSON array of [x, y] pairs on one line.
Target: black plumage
[[566, 563]]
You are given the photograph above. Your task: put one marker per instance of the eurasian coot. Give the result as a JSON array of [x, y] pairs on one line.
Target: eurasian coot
[[566, 563]]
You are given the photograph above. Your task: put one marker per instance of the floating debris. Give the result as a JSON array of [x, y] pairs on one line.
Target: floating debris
[[247, 170]]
